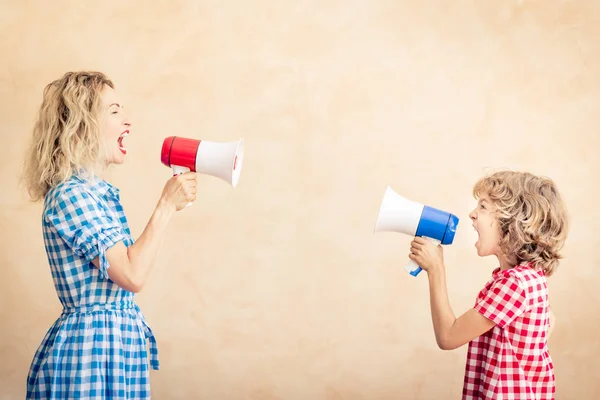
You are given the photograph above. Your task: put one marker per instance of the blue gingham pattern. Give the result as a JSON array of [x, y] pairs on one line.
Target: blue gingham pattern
[[96, 349]]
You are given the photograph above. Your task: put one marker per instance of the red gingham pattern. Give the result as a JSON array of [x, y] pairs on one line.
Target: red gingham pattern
[[511, 360]]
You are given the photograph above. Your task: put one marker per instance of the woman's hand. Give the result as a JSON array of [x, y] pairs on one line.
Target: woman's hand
[[180, 190], [429, 255]]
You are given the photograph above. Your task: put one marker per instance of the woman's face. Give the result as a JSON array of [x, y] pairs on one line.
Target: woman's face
[[114, 126]]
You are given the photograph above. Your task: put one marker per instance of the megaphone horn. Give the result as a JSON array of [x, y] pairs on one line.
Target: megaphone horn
[[398, 214]]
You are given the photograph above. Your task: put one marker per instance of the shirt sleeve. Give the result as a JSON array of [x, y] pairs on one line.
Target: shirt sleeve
[[504, 301], [84, 225]]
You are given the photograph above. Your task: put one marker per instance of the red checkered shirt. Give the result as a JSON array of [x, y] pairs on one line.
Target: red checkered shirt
[[511, 360]]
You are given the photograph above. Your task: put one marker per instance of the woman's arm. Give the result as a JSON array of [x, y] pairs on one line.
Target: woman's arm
[[131, 266]]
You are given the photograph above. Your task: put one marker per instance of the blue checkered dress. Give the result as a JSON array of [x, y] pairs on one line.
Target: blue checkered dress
[[96, 349]]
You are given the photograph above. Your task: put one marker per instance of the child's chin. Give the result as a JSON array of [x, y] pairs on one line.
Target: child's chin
[[480, 251]]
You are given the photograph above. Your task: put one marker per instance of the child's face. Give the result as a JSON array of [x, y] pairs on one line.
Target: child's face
[[486, 225], [114, 126]]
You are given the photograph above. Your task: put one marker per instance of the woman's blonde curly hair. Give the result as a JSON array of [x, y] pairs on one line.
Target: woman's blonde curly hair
[[532, 217], [66, 137]]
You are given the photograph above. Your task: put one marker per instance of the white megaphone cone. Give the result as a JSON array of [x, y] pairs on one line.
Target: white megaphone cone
[[398, 214], [221, 160]]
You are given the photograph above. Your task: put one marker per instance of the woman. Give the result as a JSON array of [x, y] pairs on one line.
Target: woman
[[97, 347]]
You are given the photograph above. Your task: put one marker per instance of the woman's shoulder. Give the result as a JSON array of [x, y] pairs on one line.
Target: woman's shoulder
[[70, 191]]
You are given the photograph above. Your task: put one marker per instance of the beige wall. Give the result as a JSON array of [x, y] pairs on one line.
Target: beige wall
[[279, 289]]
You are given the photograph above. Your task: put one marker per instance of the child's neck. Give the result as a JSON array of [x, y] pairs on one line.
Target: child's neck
[[505, 262]]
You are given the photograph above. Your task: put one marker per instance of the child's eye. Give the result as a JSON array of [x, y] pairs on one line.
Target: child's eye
[[482, 206]]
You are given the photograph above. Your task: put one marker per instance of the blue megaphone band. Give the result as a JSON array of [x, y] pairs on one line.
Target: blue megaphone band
[[437, 224]]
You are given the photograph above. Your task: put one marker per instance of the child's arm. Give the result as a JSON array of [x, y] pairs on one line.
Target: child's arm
[[552, 322], [450, 332]]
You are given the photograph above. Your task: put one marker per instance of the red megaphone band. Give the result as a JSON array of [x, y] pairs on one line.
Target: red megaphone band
[[179, 151]]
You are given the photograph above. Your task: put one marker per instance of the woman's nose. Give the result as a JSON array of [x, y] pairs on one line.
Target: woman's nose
[[126, 121]]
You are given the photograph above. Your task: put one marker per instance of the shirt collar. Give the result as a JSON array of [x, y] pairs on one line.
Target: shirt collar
[[100, 186], [497, 271]]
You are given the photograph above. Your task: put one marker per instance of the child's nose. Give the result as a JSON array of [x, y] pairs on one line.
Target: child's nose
[[472, 215]]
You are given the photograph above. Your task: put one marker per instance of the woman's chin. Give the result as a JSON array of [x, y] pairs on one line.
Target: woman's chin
[[116, 160], [119, 157]]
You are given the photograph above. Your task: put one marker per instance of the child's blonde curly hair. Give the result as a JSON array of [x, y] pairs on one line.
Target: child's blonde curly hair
[[66, 137], [532, 216]]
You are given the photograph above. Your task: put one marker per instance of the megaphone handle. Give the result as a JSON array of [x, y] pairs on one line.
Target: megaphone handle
[[177, 170], [413, 268]]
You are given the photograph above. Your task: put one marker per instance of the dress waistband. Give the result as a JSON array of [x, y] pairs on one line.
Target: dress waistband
[[113, 306], [121, 305]]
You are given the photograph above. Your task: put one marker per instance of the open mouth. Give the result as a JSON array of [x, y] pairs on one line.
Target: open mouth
[[120, 141]]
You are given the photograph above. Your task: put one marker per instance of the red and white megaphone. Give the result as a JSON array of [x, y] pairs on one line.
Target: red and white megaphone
[[222, 160]]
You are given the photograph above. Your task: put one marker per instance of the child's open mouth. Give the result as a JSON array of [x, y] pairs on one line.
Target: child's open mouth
[[120, 141]]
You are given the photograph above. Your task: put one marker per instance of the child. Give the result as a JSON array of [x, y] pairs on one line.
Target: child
[[97, 346], [520, 219]]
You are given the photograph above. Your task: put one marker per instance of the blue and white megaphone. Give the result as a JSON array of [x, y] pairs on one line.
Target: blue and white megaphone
[[398, 214]]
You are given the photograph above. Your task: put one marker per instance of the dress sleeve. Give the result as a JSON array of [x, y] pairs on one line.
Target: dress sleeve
[[504, 301], [84, 225]]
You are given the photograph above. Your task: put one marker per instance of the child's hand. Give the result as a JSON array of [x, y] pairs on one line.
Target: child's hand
[[428, 255]]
